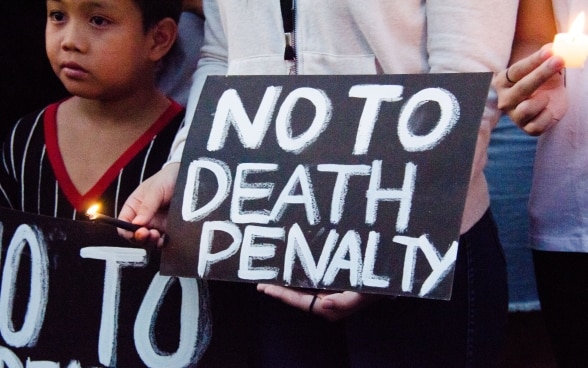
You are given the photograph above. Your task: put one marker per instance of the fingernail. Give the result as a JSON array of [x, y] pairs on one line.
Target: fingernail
[[545, 52], [557, 63]]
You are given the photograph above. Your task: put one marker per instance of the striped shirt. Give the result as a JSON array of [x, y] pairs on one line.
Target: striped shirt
[[33, 177]]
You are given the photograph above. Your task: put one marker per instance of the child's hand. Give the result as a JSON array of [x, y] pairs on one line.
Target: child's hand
[[532, 91], [147, 206]]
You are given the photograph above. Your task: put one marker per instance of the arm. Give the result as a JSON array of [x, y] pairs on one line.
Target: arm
[[536, 100], [535, 28]]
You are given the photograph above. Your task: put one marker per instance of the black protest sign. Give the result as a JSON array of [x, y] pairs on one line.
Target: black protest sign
[[75, 294], [333, 182]]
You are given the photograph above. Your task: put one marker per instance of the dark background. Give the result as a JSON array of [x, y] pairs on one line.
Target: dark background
[[27, 82]]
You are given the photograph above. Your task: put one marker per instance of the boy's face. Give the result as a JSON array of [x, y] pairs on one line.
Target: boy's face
[[97, 48]]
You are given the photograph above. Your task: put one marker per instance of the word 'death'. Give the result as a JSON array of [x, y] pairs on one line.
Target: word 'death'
[[333, 182]]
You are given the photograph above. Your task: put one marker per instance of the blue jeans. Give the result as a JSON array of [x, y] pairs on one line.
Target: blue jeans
[[467, 331], [509, 172]]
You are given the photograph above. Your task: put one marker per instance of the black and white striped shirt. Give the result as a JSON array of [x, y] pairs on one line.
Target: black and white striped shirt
[[33, 177]]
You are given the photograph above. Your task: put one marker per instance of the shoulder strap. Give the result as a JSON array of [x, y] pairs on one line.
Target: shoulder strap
[[288, 22], [287, 15]]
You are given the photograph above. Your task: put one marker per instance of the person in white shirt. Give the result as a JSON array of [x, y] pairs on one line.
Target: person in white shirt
[[366, 37]]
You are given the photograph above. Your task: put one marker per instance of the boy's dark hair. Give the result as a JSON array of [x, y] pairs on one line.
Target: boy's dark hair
[[155, 10]]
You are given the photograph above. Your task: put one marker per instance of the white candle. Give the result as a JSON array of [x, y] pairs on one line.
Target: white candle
[[572, 46]]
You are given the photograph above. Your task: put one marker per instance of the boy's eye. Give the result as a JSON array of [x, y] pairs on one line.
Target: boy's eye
[[99, 21], [57, 16]]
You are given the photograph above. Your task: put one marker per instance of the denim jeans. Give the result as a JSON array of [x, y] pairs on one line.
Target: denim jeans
[[466, 331], [509, 172]]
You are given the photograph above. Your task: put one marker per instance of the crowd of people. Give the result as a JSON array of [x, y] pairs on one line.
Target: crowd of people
[[134, 71]]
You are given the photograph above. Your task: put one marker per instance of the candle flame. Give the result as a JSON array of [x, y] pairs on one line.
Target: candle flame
[[578, 24], [92, 211]]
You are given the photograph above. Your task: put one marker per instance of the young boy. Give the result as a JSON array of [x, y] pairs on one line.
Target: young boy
[[115, 130], [96, 146]]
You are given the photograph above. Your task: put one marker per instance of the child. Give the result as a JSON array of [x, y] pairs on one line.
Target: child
[[115, 130], [98, 145]]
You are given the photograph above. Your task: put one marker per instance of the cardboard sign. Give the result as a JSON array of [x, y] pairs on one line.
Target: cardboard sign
[[332, 182], [75, 294]]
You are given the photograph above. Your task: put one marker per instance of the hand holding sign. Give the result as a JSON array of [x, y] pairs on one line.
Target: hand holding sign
[[331, 306]]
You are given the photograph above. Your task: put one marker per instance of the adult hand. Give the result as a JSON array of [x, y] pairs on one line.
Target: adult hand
[[331, 306], [532, 91], [147, 206]]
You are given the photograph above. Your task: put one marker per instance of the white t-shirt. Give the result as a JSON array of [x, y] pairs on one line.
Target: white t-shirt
[[558, 203]]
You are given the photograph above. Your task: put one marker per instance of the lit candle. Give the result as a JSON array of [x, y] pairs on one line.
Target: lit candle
[[93, 215], [572, 46]]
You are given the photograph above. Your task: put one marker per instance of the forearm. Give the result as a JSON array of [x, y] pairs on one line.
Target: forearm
[[535, 27]]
